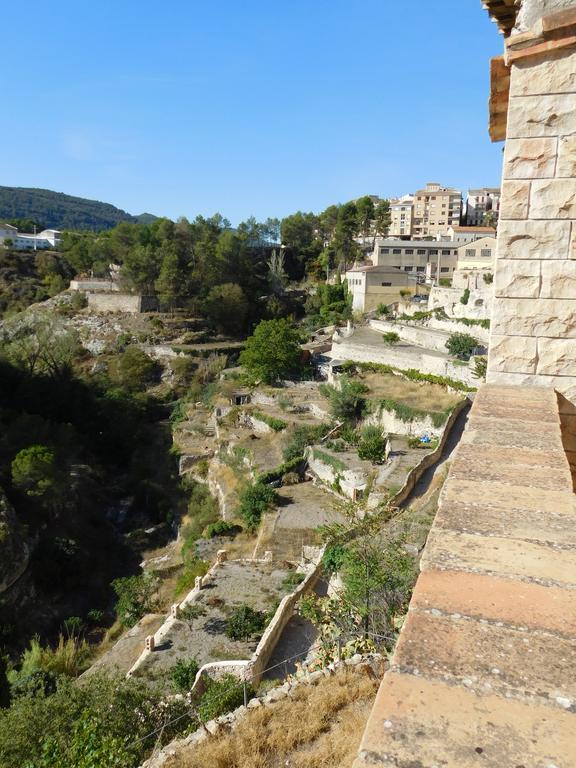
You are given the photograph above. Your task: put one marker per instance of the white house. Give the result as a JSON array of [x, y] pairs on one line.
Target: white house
[[20, 241], [380, 284], [479, 254], [469, 234]]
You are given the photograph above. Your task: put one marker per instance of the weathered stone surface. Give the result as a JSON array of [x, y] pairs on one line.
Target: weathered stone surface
[[566, 157], [549, 115], [557, 357], [530, 158], [509, 353], [553, 199], [533, 240], [558, 280], [553, 318], [517, 278], [564, 384], [551, 73], [515, 199], [510, 456], [423, 723]]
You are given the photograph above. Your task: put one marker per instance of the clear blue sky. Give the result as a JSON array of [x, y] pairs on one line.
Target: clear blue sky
[[247, 107]]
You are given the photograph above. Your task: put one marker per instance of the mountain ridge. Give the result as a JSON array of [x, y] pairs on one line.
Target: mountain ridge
[[58, 210]]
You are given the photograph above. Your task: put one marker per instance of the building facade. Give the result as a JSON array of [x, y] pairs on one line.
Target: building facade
[[469, 234], [479, 203], [479, 254], [435, 209], [401, 216], [379, 284], [426, 260], [48, 238]]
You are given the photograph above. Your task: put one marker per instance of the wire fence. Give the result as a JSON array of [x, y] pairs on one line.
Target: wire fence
[[245, 683]]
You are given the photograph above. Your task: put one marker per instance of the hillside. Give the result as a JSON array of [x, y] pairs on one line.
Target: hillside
[[55, 210]]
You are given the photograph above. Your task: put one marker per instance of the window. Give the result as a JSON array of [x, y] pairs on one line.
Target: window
[[409, 251], [486, 253], [444, 269], [446, 253], [421, 252], [386, 284], [433, 252], [408, 269], [384, 250], [396, 250], [420, 269], [471, 252]]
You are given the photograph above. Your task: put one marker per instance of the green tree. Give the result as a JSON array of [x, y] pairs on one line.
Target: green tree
[[461, 345], [226, 306], [141, 267], [255, 500], [171, 282], [135, 370], [382, 219], [35, 471], [372, 445], [4, 684], [244, 622], [273, 351], [366, 212], [183, 674], [135, 597], [347, 401], [345, 232]]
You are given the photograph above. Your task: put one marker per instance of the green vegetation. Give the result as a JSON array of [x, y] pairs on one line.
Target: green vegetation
[[372, 445], [273, 351], [383, 309], [244, 623], [488, 278], [329, 305], [326, 458], [412, 374], [294, 466], [135, 597], [415, 442], [461, 345], [347, 401], [221, 696], [183, 674], [445, 282], [276, 424], [299, 438], [407, 414], [34, 471], [390, 337], [465, 296], [26, 278], [135, 371], [219, 528], [480, 367], [255, 500]]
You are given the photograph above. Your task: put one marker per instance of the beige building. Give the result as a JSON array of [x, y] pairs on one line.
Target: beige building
[[426, 260], [435, 209], [469, 234], [479, 254], [374, 285], [480, 202], [402, 216]]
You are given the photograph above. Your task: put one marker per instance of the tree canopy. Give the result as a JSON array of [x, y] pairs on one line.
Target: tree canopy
[[273, 351]]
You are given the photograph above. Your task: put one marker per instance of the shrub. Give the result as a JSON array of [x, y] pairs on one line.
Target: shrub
[[383, 309], [288, 467], [135, 597], [300, 437], [191, 612], [488, 278], [290, 478], [405, 292], [333, 558], [183, 674], [193, 566], [347, 402], [461, 345], [245, 622], [69, 657], [445, 282], [480, 367], [34, 470], [275, 424], [135, 370], [465, 296], [254, 501], [219, 528], [326, 458], [78, 300], [390, 337], [221, 696], [293, 580], [372, 445]]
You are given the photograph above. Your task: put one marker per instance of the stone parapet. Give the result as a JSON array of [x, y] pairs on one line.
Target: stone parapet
[[483, 672]]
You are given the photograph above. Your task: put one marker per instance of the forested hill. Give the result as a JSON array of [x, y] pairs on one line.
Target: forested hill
[[55, 210]]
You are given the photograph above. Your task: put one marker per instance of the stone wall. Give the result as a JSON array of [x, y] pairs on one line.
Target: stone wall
[[533, 333], [114, 302]]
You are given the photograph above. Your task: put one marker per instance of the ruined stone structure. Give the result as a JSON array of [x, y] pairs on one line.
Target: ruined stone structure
[[484, 671]]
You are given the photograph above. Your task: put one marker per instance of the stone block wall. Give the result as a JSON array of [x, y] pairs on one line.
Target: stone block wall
[[533, 332]]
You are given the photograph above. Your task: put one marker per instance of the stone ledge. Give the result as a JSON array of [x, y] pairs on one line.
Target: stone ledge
[[483, 672]]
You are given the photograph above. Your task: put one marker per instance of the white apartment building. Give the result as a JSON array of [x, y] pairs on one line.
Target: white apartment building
[[469, 234], [479, 202], [435, 209], [48, 238], [401, 216]]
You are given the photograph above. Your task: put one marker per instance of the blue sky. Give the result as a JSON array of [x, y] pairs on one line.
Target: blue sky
[[246, 107]]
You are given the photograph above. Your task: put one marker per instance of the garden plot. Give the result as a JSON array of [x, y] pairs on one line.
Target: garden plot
[[202, 636]]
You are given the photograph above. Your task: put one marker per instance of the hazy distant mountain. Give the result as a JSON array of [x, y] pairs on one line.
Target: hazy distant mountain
[[55, 210]]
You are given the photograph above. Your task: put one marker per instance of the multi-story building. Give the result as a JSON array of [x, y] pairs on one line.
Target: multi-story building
[[427, 260], [48, 238], [480, 202], [402, 216], [479, 254], [468, 234], [377, 284], [435, 209]]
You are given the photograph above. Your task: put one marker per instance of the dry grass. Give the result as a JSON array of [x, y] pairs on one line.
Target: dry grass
[[318, 727], [427, 397]]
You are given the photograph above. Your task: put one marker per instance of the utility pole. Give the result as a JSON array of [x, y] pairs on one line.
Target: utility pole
[[35, 247]]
